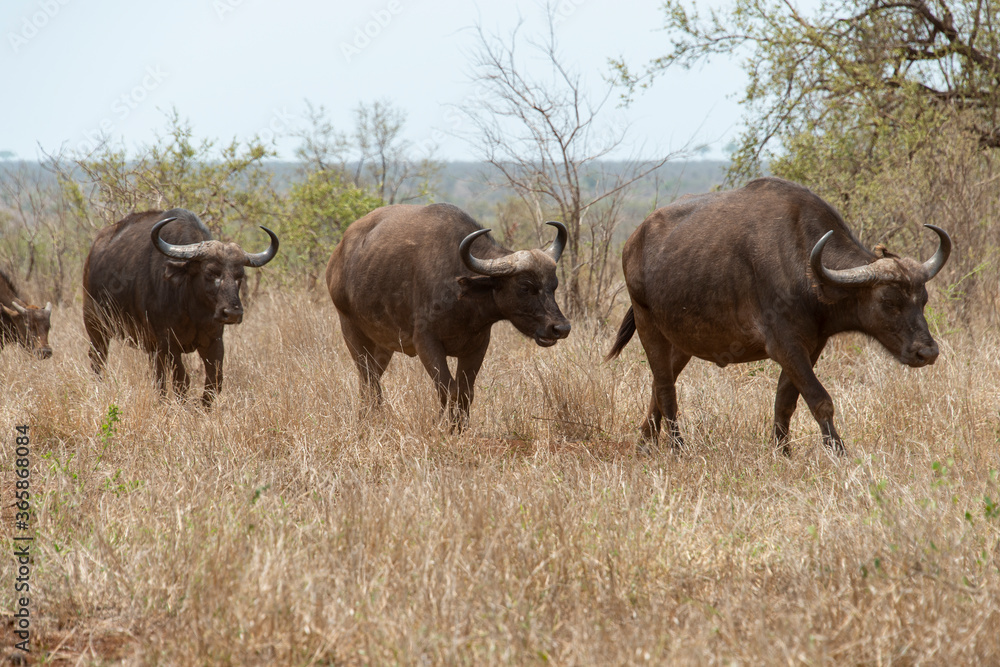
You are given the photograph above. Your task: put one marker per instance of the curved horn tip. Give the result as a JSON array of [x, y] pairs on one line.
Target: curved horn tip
[[160, 223], [555, 252], [476, 234], [19, 308], [155, 232], [933, 265], [822, 241], [48, 306], [467, 241], [259, 259], [274, 237]]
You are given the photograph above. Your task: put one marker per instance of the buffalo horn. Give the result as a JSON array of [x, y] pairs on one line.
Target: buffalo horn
[[259, 259], [189, 251], [48, 306], [19, 308], [502, 266], [859, 275], [555, 252], [934, 264]]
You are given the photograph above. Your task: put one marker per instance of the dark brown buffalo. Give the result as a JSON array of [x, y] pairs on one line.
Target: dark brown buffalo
[[424, 280], [22, 323], [767, 271], [159, 281]]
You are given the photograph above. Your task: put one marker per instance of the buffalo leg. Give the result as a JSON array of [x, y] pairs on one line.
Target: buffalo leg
[[98, 334], [370, 359], [663, 401], [168, 360], [432, 356], [212, 357], [785, 401], [466, 372], [666, 362], [797, 364]]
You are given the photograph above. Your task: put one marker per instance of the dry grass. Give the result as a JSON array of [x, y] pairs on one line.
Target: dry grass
[[287, 527]]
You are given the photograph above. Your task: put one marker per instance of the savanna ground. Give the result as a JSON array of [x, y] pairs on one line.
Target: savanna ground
[[289, 526]]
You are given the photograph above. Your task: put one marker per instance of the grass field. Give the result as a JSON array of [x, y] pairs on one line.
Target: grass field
[[290, 526]]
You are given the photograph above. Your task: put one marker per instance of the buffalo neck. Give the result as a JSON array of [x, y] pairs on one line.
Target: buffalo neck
[[485, 313]]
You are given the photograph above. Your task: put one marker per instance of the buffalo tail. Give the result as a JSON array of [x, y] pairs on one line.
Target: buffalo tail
[[625, 332]]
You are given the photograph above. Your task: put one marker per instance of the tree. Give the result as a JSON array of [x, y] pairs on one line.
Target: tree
[[862, 71], [224, 185], [544, 139], [887, 108], [385, 162], [320, 207], [375, 157], [38, 238]]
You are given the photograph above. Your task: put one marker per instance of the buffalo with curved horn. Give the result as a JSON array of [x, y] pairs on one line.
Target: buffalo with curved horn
[[159, 281], [428, 282], [766, 271], [23, 323]]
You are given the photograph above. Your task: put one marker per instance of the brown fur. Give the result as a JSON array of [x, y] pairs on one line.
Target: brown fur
[[725, 277], [399, 285], [165, 306]]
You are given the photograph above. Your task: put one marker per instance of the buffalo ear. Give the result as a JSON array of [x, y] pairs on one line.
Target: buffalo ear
[[829, 293], [10, 311], [177, 270], [476, 283]]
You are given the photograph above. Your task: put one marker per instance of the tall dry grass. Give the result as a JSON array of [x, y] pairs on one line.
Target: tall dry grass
[[290, 525]]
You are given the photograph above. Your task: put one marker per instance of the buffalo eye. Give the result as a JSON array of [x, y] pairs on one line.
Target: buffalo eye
[[891, 304]]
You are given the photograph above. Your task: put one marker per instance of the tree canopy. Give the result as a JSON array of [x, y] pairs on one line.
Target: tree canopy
[[852, 73]]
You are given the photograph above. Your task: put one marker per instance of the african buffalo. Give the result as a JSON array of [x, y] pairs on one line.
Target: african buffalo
[[22, 323], [766, 271], [424, 280], [159, 281]]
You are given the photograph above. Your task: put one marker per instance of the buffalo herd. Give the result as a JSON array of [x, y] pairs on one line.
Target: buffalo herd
[[768, 271]]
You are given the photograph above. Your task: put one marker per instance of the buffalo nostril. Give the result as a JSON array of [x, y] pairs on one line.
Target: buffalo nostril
[[562, 330], [230, 315]]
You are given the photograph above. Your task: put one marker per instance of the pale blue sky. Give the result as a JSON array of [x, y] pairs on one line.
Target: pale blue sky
[[237, 68]]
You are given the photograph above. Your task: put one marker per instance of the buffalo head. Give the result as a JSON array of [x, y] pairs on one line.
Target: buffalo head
[[213, 271], [32, 326], [890, 294], [524, 285]]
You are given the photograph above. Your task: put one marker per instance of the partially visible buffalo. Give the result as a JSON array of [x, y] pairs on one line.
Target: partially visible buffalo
[[159, 281], [767, 271], [426, 281], [22, 323]]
